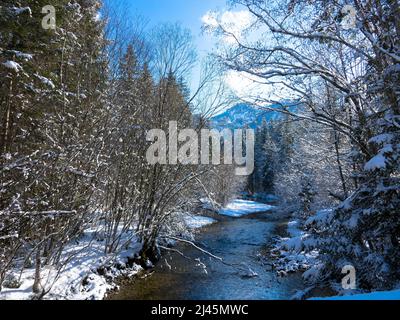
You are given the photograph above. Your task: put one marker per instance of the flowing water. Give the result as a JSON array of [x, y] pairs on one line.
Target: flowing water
[[240, 242]]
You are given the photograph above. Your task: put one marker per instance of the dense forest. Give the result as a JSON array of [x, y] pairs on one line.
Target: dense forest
[[340, 148], [79, 91], [76, 103]]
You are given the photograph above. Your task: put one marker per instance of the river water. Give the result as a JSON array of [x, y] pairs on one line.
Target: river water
[[240, 242]]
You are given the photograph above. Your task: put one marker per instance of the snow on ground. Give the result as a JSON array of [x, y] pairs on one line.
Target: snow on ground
[[238, 208], [78, 279], [378, 295], [289, 252], [195, 222]]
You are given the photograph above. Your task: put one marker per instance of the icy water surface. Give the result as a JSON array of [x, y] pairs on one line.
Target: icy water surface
[[240, 242]]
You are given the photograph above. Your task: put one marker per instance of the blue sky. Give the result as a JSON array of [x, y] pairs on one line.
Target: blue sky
[[188, 12]]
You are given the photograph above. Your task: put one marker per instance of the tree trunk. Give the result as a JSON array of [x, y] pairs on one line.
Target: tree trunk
[[37, 285], [150, 251]]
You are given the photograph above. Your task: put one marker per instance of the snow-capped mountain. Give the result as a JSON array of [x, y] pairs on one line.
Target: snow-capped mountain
[[243, 115]]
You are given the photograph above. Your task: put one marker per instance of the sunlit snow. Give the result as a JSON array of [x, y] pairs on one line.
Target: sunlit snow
[[238, 208]]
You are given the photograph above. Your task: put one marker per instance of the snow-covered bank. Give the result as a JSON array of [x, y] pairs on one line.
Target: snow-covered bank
[[195, 222], [238, 208], [79, 277], [378, 295], [87, 273], [289, 253]]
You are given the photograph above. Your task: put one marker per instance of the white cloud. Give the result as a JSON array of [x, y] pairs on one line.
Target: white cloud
[[210, 19], [243, 85], [234, 22], [251, 87]]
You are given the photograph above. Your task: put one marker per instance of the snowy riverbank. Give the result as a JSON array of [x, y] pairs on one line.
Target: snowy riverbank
[[79, 278], [238, 208], [87, 273]]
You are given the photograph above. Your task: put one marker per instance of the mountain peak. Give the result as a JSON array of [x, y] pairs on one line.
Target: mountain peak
[[243, 115]]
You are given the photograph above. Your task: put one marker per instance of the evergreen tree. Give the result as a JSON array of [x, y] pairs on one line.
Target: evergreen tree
[[51, 105]]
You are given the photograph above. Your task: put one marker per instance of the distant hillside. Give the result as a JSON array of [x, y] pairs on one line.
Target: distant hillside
[[243, 115]]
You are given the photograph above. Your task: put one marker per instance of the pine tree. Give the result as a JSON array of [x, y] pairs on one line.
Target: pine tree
[[49, 120], [364, 230]]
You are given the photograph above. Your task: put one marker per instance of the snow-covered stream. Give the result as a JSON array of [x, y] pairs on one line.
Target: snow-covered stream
[[239, 238]]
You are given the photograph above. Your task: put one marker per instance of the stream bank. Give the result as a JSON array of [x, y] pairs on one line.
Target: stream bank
[[245, 274]]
